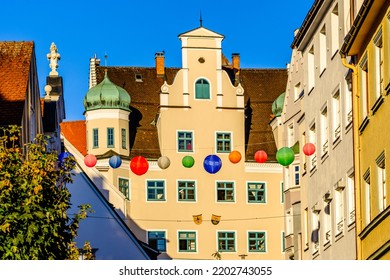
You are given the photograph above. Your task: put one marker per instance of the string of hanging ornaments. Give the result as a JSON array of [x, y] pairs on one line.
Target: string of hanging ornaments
[[212, 163]]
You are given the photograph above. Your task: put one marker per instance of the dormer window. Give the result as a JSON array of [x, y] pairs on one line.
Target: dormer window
[[138, 77], [202, 89]]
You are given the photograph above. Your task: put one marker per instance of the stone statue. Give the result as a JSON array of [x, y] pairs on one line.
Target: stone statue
[[53, 56]]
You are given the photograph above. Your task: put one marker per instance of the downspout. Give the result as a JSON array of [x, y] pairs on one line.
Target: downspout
[[356, 151]]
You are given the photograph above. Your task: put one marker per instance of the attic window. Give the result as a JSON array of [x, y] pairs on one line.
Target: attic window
[[138, 77]]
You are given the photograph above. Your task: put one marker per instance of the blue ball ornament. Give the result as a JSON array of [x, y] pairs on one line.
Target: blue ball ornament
[[115, 161], [212, 164]]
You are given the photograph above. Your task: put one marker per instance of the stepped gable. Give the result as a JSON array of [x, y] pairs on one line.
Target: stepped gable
[[15, 65]]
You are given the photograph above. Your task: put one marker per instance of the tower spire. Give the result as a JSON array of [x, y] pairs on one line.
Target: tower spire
[[200, 19]]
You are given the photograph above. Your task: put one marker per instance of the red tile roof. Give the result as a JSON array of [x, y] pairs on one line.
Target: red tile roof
[[15, 61], [75, 133]]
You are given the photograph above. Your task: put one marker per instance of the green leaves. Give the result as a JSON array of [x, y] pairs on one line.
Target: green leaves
[[34, 200]]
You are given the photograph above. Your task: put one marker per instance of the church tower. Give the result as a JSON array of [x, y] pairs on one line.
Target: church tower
[[107, 120]]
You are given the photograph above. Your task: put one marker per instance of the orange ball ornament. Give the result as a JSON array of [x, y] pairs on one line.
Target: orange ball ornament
[[235, 156]]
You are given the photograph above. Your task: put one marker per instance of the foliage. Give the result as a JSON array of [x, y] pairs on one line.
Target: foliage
[[34, 201], [217, 255]]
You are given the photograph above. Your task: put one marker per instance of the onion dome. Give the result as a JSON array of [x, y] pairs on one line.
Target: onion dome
[[277, 106], [107, 95]]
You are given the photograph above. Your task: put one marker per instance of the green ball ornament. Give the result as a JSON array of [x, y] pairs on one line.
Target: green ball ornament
[[285, 156], [188, 161]]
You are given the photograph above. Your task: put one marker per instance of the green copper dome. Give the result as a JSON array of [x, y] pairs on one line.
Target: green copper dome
[[277, 106], [106, 95]]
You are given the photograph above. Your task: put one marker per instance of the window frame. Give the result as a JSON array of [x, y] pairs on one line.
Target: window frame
[[221, 186], [120, 187], [158, 238], [257, 238], [110, 134], [187, 141], [186, 188], [226, 240], [156, 187], [124, 138], [202, 95], [223, 142], [264, 190], [95, 138], [187, 239]]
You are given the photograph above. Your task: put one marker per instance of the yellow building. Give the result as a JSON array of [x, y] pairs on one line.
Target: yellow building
[[209, 106], [366, 52]]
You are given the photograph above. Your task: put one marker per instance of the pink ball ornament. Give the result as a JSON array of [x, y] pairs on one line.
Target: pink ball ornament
[[261, 156], [90, 160], [309, 149]]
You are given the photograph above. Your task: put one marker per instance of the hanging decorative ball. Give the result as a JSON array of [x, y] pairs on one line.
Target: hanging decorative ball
[[309, 149], [235, 156], [285, 156], [163, 162], [115, 161], [188, 161], [139, 165], [212, 164], [90, 160], [261, 156]]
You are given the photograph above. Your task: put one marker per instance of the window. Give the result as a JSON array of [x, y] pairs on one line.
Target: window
[[256, 192], [367, 197], [297, 91], [296, 175], [351, 198], [124, 187], [186, 191], [348, 98], [306, 228], [187, 241], [283, 242], [157, 240], [282, 192], [225, 191], [326, 220], [202, 89], [227, 241], [363, 71], [323, 49], [336, 116], [313, 140], [185, 141], [334, 22], [381, 175], [156, 190], [339, 209], [110, 137], [311, 69], [290, 135], [123, 138], [138, 77], [95, 139], [223, 142], [324, 131], [378, 63], [315, 226], [256, 241]]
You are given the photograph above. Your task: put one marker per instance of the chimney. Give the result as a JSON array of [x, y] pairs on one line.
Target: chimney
[[236, 61], [236, 67], [160, 68]]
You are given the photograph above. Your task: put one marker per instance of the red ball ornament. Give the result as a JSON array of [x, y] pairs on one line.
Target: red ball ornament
[[90, 160], [309, 149], [261, 156], [139, 165], [235, 156]]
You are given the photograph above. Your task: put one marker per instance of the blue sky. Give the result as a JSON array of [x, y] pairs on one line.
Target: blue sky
[[131, 32]]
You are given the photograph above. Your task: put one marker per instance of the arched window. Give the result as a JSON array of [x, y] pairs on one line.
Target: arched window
[[202, 89]]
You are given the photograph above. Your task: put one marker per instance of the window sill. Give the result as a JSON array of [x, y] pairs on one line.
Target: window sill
[[322, 72], [387, 89], [377, 104], [364, 124], [336, 142], [339, 235], [348, 127], [324, 157], [310, 91]]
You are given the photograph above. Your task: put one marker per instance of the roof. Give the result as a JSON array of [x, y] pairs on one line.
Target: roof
[[15, 62], [75, 132]]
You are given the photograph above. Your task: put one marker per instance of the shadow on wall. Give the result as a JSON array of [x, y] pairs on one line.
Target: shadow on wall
[[134, 120]]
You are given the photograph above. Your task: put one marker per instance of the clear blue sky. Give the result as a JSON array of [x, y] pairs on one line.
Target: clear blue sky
[[130, 32]]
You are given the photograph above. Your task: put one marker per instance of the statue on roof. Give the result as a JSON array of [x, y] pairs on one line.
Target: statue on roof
[[53, 57]]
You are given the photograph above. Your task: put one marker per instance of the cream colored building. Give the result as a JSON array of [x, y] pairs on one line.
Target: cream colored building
[[202, 109], [319, 208]]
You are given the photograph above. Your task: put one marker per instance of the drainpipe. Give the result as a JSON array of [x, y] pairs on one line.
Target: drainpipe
[[356, 151]]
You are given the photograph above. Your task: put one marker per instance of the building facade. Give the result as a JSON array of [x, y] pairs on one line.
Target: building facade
[[366, 53], [202, 194], [317, 109]]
